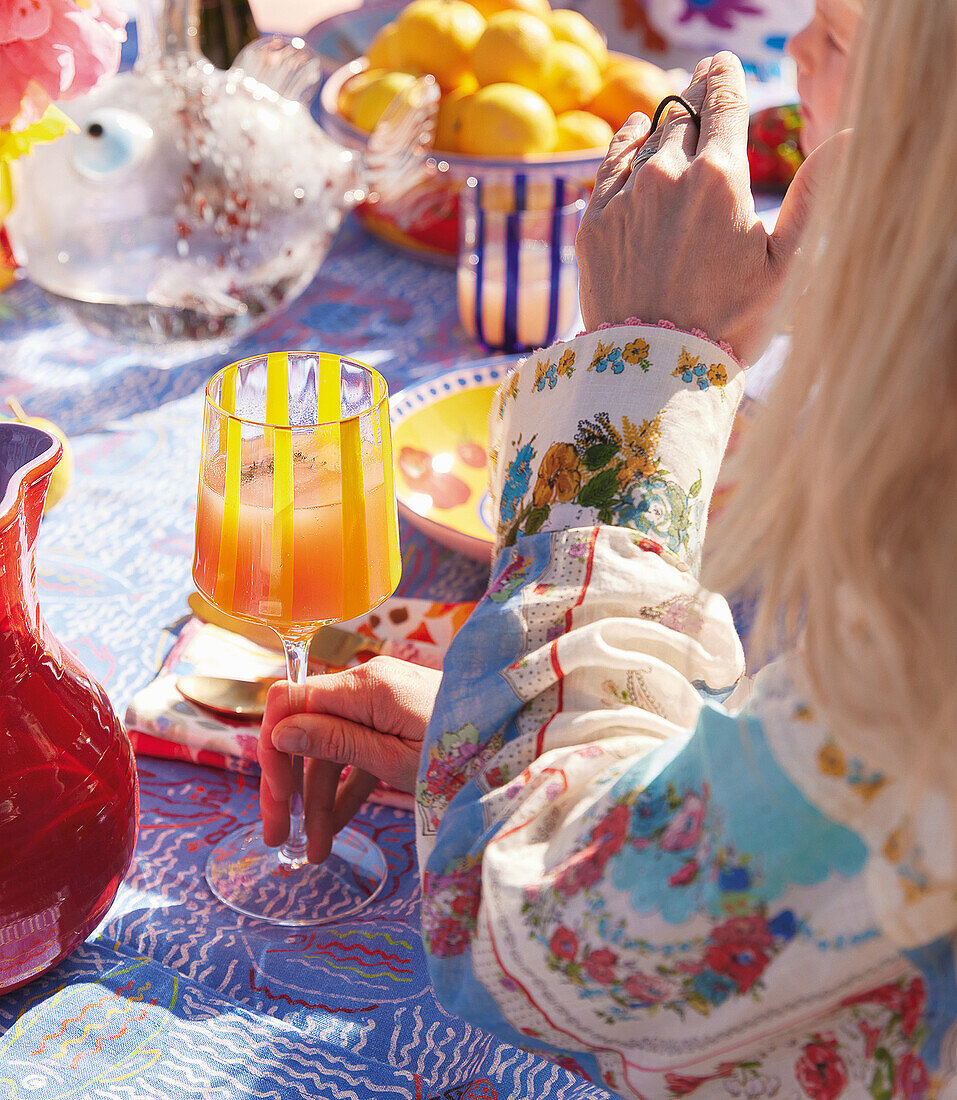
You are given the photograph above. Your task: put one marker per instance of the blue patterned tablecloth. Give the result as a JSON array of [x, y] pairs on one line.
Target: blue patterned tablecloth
[[176, 996]]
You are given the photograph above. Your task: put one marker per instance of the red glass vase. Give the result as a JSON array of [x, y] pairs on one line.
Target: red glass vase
[[68, 795]]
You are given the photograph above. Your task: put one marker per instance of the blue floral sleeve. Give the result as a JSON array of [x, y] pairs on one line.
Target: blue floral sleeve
[[614, 869]]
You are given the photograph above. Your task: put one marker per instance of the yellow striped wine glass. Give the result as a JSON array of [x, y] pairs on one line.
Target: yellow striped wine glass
[[296, 528]]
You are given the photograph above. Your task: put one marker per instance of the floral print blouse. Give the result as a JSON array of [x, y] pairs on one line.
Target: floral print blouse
[[668, 896]]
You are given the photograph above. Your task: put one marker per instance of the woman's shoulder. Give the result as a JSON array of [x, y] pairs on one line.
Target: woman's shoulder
[[911, 865]]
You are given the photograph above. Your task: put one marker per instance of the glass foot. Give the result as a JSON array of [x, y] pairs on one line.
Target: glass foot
[[256, 881]]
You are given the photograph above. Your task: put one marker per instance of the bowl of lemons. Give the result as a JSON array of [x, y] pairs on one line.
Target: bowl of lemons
[[529, 93]]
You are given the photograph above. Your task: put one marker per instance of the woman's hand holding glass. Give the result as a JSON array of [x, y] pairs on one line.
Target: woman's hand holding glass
[[372, 717], [676, 238]]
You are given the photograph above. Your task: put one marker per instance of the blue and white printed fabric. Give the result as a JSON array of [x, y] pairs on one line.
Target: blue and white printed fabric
[[667, 896]]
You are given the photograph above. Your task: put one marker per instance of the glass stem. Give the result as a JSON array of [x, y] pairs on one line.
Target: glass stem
[[293, 853]]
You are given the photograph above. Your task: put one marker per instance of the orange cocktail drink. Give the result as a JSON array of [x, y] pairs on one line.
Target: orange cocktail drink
[[310, 548], [296, 527]]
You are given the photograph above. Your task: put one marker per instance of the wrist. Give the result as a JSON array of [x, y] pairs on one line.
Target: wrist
[[697, 333], [624, 426]]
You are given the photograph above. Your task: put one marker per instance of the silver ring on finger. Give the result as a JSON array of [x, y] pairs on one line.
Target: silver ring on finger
[[645, 153]]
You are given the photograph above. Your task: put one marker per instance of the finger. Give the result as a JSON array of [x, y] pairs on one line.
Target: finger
[[678, 130], [373, 694], [352, 793], [276, 766], [339, 741], [320, 780], [724, 112], [616, 167], [801, 198], [275, 815]]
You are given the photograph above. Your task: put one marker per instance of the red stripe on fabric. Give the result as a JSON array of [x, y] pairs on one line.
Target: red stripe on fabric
[[556, 665], [540, 739], [305, 1004], [592, 542]]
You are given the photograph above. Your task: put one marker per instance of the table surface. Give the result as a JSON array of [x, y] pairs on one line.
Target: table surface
[[175, 995]]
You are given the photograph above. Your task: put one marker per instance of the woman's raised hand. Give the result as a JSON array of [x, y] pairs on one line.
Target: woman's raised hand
[[677, 237], [372, 717]]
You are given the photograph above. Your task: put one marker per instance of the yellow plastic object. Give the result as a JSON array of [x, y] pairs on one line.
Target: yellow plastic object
[[230, 442], [440, 441], [388, 469], [16, 143], [355, 544], [283, 515]]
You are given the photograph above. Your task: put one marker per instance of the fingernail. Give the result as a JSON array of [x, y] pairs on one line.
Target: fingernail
[[721, 60], [289, 739]]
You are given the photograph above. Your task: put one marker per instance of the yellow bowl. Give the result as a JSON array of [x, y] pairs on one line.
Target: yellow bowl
[[440, 440]]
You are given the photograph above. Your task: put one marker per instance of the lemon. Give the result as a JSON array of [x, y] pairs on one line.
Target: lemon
[[62, 475], [437, 37], [570, 78], [448, 124], [572, 26], [383, 51], [512, 49], [629, 85], [506, 120], [370, 102], [352, 87], [488, 8], [581, 130]]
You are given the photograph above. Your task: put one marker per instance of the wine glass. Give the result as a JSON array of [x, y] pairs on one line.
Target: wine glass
[[296, 528]]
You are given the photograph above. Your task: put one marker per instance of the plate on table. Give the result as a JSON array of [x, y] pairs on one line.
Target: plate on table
[[440, 445]]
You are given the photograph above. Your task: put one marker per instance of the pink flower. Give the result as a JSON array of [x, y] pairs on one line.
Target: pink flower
[[564, 943], [496, 777], [911, 1079], [684, 829], [465, 905], [743, 965], [743, 932], [688, 872], [448, 938], [648, 989], [610, 831], [682, 618], [581, 870], [54, 49], [820, 1070], [600, 965]]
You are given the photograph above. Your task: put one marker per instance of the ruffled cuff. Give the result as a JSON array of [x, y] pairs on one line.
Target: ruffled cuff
[[625, 426]]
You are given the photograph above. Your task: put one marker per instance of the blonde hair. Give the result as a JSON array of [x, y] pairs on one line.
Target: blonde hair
[[845, 518]]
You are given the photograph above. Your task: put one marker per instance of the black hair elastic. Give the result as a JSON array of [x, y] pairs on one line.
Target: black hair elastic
[[695, 117]]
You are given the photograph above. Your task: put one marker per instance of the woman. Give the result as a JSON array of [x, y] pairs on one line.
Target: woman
[[821, 51], [670, 898]]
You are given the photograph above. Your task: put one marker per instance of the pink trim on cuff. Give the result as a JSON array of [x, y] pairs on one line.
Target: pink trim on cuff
[[696, 332]]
